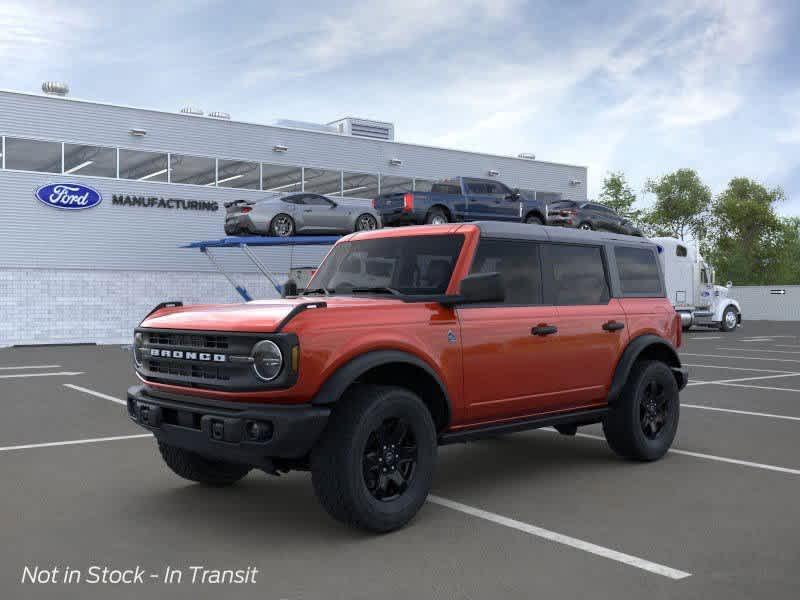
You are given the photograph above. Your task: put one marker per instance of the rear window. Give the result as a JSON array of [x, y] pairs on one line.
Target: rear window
[[445, 188], [638, 271], [579, 275]]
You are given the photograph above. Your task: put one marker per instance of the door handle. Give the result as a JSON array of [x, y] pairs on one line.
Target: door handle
[[613, 326], [308, 210], [544, 330]]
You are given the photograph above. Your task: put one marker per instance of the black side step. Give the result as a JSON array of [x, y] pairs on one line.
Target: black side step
[[581, 417]]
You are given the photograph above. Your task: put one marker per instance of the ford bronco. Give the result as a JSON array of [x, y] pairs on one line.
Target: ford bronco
[[406, 339]]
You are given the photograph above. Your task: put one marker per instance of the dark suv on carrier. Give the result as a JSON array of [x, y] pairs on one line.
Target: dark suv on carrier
[[589, 216]]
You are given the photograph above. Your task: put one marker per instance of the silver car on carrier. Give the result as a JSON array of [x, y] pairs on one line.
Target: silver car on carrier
[[299, 213]]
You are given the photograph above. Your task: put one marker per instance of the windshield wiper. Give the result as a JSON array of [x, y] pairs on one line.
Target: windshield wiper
[[376, 290], [321, 290]]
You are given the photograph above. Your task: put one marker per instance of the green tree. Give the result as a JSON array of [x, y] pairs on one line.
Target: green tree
[[618, 195], [749, 243], [681, 205]]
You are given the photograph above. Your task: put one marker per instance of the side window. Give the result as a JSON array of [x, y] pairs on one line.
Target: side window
[[316, 201], [680, 251], [638, 271], [476, 188], [579, 276], [294, 199], [518, 263]]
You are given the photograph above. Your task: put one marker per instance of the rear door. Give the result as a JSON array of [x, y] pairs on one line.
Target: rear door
[[591, 324], [477, 200], [508, 370], [503, 205]]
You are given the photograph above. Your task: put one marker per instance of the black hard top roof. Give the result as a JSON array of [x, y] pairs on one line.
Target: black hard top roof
[[527, 231]]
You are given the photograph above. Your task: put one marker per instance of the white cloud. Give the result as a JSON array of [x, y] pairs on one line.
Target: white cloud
[[31, 34]]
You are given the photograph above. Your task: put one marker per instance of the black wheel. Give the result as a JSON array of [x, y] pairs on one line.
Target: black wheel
[[374, 464], [641, 423], [534, 220], [231, 230], [366, 222], [730, 319], [436, 216], [194, 467], [586, 226], [281, 226]]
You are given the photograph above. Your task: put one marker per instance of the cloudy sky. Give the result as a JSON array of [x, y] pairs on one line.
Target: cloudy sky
[[642, 87]]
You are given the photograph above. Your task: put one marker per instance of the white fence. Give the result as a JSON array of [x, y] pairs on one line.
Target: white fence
[[768, 302]]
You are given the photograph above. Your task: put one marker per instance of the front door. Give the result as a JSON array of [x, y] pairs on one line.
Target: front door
[[509, 367], [320, 214]]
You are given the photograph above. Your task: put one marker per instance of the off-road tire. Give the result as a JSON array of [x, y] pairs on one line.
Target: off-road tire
[[436, 214], [197, 468], [723, 326], [622, 425], [337, 459], [534, 220]]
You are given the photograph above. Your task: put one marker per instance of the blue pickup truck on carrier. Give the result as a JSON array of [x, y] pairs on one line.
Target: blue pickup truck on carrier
[[461, 199]]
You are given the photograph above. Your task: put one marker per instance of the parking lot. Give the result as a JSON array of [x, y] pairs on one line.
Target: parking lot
[[531, 514]]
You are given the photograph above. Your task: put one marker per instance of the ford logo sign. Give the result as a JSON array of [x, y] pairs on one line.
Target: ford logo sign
[[69, 196]]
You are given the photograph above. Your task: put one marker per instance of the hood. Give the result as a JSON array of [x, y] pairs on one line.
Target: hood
[[260, 316]]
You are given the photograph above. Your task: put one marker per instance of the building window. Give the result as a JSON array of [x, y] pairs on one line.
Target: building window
[[195, 170], [90, 160], [323, 181], [33, 155], [423, 185], [396, 185], [144, 166], [281, 178], [360, 185], [238, 174]]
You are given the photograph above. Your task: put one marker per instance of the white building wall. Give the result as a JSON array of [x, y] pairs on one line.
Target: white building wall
[[767, 303]]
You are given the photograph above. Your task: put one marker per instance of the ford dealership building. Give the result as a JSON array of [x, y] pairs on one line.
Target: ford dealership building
[[97, 199]]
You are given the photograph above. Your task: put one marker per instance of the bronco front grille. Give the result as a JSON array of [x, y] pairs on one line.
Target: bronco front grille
[[198, 359]]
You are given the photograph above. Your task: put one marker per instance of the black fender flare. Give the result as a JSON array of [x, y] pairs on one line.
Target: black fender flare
[[647, 342], [345, 375]]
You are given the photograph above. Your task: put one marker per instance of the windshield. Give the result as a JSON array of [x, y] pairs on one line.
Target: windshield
[[409, 265]]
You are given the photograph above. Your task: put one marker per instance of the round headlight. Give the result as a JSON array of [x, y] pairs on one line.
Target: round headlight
[[267, 360], [138, 342]]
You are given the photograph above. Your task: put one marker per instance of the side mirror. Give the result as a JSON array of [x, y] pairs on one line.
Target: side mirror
[[289, 289], [482, 287]]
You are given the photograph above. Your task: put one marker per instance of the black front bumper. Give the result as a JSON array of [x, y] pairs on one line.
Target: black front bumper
[[251, 434], [395, 218]]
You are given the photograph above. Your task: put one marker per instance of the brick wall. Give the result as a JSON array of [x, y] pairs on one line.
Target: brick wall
[[41, 306]]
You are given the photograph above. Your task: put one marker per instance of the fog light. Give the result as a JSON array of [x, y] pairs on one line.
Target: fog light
[[258, 431]]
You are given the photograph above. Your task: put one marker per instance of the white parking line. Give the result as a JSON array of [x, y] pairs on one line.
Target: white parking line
[[19, 375], [93, 393], [761, 387], [760, 350], [75, 442], [700, 337], [791, 360], [552, 536], [786, 345], [741, 412], [756, 339], [30, 367], [721, 381], [736, 368], [722, 459]]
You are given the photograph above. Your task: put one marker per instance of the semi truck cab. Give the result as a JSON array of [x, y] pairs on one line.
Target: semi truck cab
[[692, 289]]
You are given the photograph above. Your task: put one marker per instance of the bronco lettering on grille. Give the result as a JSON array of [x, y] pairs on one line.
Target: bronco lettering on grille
[[180, 354]]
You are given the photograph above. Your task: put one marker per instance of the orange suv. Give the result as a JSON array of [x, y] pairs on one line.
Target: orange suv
[[407, 339]]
